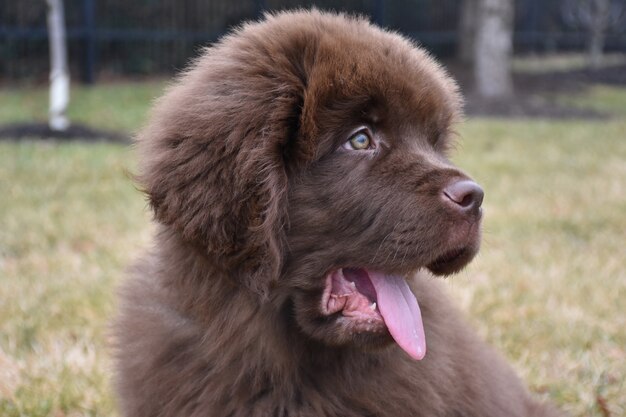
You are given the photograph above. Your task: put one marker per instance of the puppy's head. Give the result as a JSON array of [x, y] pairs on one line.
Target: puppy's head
[[306, 157]]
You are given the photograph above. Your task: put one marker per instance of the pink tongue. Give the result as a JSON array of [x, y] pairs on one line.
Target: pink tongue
[[399, 309]]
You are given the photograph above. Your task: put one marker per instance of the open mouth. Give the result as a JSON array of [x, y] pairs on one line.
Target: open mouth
[[373, 301]]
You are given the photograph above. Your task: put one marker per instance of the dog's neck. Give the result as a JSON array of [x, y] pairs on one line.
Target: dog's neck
[[248, 341]]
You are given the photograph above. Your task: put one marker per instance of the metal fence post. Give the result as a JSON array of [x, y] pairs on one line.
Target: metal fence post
[[260, 7], [379, 12], [89, 33]]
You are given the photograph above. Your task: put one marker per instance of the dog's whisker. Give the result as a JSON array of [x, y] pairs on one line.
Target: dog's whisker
[[380, 245], [406, 251], [395, 226]]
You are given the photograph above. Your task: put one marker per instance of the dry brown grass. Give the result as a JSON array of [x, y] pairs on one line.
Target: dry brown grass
[[548, 289]]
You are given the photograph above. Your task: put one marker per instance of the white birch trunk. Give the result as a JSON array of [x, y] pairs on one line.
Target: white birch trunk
[[494, 45], [59, 74]]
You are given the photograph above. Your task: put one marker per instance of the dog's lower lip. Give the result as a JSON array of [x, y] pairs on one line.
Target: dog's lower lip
[[448, 257], [450, 262]]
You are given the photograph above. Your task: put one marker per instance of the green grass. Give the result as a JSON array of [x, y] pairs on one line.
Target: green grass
[[117, 106], [548, 289], [562, 62], [603, 99]]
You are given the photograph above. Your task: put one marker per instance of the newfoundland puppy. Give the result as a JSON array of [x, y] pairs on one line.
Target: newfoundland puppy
[[299, 177]]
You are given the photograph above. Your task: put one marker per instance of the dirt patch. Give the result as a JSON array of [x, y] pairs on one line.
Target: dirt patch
[[536, 93], [76, 132]]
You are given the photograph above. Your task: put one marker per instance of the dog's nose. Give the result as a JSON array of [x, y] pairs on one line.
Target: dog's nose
[[465, 195]]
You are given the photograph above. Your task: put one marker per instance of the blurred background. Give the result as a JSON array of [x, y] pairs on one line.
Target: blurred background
[[115, 39], [545, 135]]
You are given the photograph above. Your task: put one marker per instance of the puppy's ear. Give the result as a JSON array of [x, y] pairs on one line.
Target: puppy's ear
[[211, 162]]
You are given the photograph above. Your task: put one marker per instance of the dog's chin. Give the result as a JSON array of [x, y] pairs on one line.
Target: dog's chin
[[453, 260], [339, 332]]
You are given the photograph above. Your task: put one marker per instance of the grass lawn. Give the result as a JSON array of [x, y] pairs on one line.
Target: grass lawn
[[116, 106], [548, 289]]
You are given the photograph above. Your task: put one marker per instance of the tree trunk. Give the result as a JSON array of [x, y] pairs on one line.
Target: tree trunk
[[599, 10], [59, 74], [494, 44], [467, 31]]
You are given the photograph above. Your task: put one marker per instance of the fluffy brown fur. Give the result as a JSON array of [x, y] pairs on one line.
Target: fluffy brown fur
[[260, 195]]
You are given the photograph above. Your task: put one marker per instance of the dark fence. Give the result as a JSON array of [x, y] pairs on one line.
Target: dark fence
[[121, 38]]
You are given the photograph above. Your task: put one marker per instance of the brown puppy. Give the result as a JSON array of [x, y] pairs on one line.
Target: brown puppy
[[298, 173]]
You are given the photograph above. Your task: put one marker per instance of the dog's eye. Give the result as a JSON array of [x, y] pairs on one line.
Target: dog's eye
[[360, 141]]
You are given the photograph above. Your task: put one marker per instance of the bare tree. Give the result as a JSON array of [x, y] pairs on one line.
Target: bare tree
[[599, 22], [468, 23], [493, 49], [597, 17], [59, 74]]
